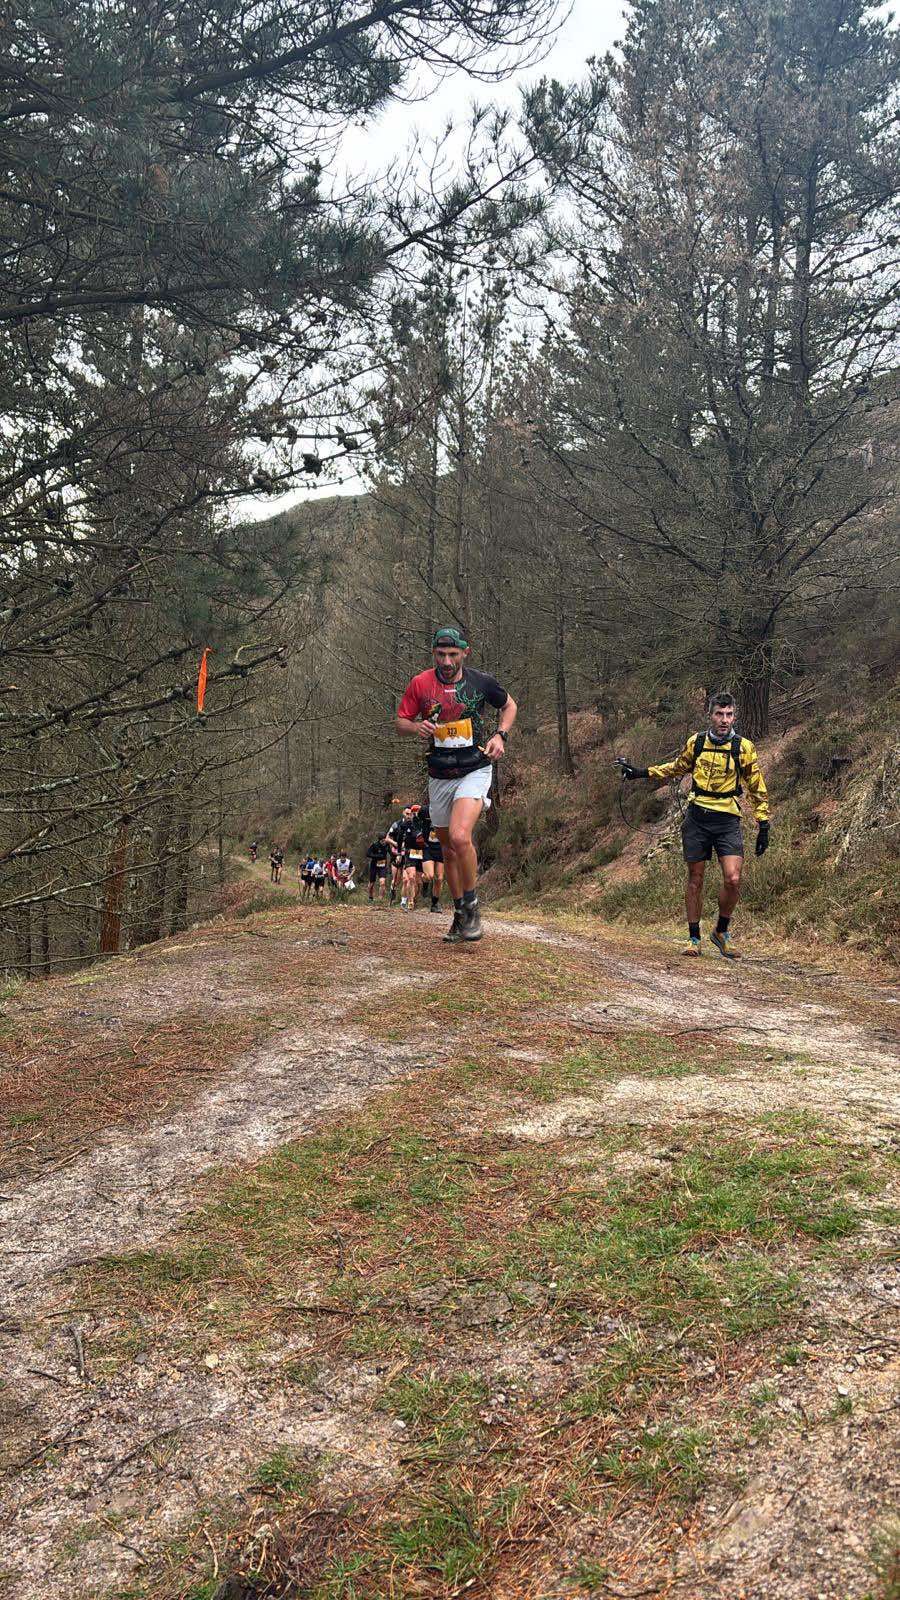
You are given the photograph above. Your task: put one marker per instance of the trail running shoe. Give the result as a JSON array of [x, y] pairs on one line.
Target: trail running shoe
[[722, 942], [454, 932], [693, 948], [435, 905], [471, 927]]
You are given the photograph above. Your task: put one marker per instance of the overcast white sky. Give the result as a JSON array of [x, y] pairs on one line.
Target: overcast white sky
[[591, 28]]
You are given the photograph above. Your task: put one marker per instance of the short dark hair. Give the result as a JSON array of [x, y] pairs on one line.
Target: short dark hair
[[722, 698]]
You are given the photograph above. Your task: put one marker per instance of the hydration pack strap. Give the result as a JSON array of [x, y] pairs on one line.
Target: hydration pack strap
[[732, 752]]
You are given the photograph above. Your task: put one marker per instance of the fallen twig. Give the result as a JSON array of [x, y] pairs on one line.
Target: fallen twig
[[49, 1444], [212, 1547], [75, 1333]]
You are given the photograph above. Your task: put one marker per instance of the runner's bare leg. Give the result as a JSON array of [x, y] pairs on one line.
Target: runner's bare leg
[[731, 883], [460, 859], [693, 894]]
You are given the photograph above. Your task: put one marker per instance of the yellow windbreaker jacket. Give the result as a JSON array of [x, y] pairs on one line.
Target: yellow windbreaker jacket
[[714, 776]]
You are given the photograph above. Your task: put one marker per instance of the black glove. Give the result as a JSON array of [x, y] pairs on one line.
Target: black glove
[[629, 771], [762, 839]]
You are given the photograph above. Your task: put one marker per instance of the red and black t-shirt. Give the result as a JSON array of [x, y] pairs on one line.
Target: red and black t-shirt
[[458, 709]]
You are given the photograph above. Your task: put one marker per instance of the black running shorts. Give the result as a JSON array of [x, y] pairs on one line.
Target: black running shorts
[[704, 831]]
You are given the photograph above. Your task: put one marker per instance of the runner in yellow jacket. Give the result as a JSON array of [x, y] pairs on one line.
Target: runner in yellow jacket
[[723, 764]]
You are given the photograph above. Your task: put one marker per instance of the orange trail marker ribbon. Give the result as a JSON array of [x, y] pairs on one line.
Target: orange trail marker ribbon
[[201, 682]]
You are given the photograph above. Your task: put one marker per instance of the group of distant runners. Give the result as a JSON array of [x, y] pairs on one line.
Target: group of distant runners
[[315, 874], [406, 863], [445, 707]]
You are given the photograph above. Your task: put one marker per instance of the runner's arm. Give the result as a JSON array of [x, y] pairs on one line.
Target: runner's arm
[[751, 773], [673, 769], [507, 708], [416, 725], [409, 719], [507, 715]]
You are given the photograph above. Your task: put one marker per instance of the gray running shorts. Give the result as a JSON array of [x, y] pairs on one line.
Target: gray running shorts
[[442, 792]]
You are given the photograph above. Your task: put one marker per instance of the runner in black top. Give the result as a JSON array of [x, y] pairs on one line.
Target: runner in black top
[[433, 870], [392, 838], [412, 847], [377, 856]]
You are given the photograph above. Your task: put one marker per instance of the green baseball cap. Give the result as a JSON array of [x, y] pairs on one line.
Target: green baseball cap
[[450, 636]]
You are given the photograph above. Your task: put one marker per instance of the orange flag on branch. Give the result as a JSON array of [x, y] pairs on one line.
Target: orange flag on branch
[[201, 682]]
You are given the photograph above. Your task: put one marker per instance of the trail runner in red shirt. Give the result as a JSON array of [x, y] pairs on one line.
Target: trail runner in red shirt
[[445, 707]]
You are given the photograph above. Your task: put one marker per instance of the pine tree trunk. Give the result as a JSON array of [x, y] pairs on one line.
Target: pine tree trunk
[[220, 836], [114, 895], [287, 769], [23, 939], [461, 576], [431, 546], [754, 693], [156, 891], [183, 862], [563, 747]]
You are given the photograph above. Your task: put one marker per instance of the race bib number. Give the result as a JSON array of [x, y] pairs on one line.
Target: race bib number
[[415, 855], [454, 735]]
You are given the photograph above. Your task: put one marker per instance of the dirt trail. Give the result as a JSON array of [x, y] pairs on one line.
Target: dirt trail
[[130, 1189], [136, 1184], [750, 997]]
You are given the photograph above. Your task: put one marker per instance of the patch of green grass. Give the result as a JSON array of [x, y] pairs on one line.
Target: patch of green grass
[[755, 1411], [714, 1244], [639, 1055], [592, 1576], [340, 1581], [630, 1373], [373, 1338], [670, 1461], [164, 1269], [440, 1541], [282, 1473], [442, 1410], [388, 1208], [300, 1373], [445, 1538], [701, 1242]]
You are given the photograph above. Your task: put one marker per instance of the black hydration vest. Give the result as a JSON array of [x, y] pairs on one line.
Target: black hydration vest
[[732, 753]]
